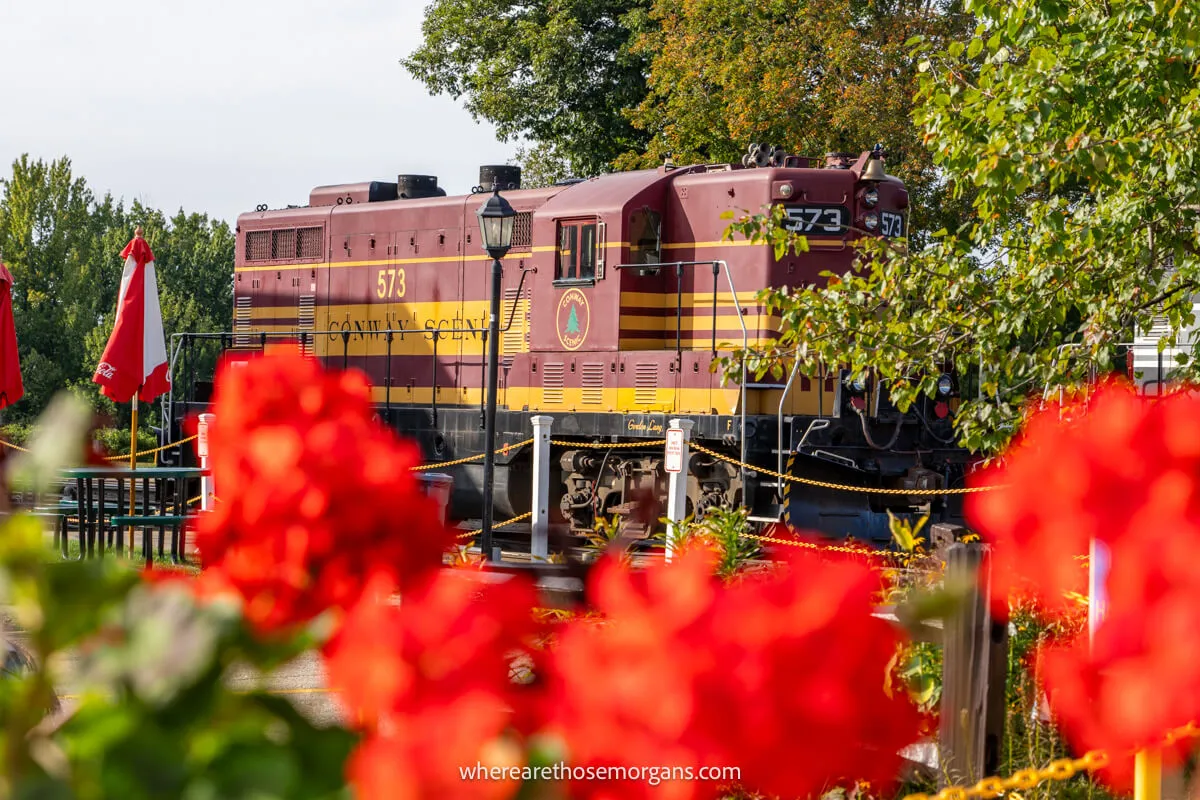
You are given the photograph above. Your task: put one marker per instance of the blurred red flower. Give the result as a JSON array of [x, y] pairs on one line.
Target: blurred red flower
[[437, 752], [1118, 469], [1123, 471], [784, 677], [431, 680], [314, 495]]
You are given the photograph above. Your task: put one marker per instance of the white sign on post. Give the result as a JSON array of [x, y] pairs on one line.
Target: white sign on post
[[202, 436], [674, 450]]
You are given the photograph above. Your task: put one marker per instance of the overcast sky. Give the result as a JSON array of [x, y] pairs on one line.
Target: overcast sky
[[220, 105]]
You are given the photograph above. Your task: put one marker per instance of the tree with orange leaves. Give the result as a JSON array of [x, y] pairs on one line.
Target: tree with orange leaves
[[813, 77]]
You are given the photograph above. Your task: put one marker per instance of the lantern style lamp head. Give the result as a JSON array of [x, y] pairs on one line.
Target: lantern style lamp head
[[496, 218]]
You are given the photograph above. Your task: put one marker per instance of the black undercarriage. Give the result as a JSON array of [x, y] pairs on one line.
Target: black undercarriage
[[595, 481]]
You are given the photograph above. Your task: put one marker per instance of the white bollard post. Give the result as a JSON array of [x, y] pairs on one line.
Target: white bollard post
[[676, 464], [539, 544], [206, 482], [1097, 596]]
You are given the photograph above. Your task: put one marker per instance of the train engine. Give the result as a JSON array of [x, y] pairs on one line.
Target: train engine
[[620, 295]]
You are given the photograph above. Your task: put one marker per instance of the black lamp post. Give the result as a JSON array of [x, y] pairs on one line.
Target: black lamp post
[[496, 218]]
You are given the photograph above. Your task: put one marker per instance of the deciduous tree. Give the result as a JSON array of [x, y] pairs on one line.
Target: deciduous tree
[[812, 76], [559, 73], [63, 246], [1075, 125]]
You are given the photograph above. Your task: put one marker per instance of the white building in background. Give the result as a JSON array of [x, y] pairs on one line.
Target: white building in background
[[1149, 366]]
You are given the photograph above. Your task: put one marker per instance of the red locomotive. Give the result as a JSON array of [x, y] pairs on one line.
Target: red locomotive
[[618, 295]]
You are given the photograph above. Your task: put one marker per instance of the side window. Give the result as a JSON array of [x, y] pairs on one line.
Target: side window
[[576, 256], [587, 251], [568, 251], [645, 236]]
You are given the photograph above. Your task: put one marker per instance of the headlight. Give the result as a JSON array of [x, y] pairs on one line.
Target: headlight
[[945, 385], [870, 197], [871, 222]]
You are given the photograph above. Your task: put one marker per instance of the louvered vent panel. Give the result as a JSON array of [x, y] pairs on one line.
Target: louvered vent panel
[[310, 241], [516, 338], [258, 245], [522, 237], [241, 322], [645, 384], [307, 316], [283, 244], [1159, 327], [552, 383], [593, 384]]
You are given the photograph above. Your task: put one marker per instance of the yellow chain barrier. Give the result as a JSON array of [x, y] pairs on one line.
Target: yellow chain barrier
[[114, 458], [1059, 770], [831, 548], [154, 451], [468, 534], [839, 486], [498, 451], [607, 445]]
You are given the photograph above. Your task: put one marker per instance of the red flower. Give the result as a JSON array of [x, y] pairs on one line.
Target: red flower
[[432, 681], [1123, 468], [440, 752], [314, 495], [783, 677], [1122, 472]]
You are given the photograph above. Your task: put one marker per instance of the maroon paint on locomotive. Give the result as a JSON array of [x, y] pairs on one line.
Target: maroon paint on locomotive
[[609, 329]]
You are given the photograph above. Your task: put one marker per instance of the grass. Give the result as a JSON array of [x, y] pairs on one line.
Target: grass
[[133, 562]]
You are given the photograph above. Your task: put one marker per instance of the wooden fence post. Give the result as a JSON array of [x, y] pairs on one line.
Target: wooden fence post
[[942, 535], [974, 673]]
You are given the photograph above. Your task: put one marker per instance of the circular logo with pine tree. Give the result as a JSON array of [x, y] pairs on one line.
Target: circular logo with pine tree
[[574, 318]]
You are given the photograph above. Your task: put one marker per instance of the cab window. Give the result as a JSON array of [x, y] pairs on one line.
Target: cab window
[[645, 236], [576, 252]]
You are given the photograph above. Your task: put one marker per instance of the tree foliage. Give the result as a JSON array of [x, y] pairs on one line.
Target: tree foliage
[[63, 244], [558, 73], [1075, 126], [815, 77]]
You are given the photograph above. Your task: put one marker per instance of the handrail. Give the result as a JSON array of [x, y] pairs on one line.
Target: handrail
[[737, 304], [787, 389]]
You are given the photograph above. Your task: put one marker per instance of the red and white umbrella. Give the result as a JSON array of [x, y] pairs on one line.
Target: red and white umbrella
[[135, 360], [12, 388]]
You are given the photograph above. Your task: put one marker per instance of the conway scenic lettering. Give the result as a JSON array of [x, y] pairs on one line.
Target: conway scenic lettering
[[455, 328]]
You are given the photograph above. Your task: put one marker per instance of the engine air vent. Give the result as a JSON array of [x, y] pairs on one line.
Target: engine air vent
[[241, 321], [504, 177], [522, 237], [351, 193], [552, 383], [306, 317], [593, 384], [283, 244], [258, 245], [310, 242], [412, 187], [645, 384], [516, 338]]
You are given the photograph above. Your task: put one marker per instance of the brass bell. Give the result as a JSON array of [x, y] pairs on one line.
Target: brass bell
[[874, 170]]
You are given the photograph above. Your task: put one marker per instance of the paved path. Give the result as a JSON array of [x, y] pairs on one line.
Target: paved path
[[301, 681]]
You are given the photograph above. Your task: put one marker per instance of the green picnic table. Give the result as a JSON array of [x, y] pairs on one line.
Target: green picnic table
[[94, 522]]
